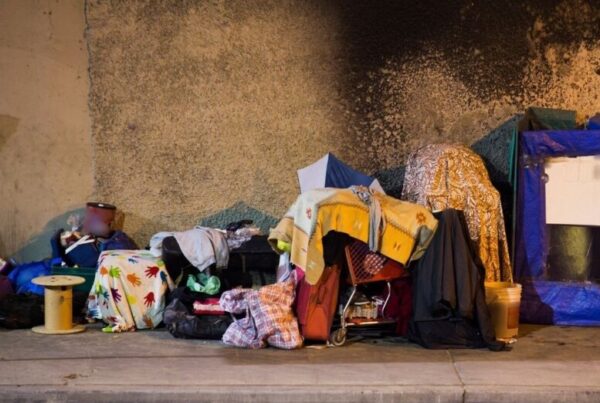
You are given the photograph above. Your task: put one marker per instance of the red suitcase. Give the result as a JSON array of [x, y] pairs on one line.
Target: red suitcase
[[316, 305]]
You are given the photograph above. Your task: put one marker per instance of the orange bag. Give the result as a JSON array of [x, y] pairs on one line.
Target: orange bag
[[316, 304]]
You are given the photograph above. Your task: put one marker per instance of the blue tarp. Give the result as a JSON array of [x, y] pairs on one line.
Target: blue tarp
[[21, 276], [594, 122], [569, 303], [560, 303], [531, 241]]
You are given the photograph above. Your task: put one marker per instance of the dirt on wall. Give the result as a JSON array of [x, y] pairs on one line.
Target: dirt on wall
[[200, 107]]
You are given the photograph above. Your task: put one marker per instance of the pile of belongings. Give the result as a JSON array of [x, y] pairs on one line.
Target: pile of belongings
[[200, 247], [79, 247], [131, 286], [198, 261], [184, 282], [193, 311], [449, 309]]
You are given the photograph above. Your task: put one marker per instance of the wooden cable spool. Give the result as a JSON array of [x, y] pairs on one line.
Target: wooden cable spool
[[58, 304]]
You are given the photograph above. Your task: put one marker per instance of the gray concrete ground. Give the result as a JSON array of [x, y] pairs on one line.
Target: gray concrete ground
[[548, 364]]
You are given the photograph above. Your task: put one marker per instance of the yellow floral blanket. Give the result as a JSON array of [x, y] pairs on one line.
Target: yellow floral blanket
[[406, 234]]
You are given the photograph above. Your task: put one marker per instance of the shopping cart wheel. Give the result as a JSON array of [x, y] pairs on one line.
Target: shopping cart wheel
[[338, 337]]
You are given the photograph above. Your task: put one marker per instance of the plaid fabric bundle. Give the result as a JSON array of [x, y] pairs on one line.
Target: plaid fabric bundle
[[269, 318]]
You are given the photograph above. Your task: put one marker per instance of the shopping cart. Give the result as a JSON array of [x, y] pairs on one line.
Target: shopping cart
[[365, 267]]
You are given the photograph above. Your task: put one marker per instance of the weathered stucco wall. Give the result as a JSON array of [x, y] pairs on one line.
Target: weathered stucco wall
[[199, 105], [203, 110], [45, 146]]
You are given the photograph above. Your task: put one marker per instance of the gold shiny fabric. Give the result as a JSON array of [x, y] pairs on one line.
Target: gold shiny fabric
[[441, 176]]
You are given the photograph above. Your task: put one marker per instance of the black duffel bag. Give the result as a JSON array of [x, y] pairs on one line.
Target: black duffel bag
[[183, 324]]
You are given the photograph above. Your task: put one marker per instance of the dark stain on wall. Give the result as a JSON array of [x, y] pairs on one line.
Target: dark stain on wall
[[497, 51], [480, 42], [488, 44]]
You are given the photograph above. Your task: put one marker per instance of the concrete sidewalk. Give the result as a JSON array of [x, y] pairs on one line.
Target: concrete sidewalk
[[548, 364]]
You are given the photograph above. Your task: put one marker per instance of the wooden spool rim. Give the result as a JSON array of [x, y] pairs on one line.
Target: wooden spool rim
[[58, 281]]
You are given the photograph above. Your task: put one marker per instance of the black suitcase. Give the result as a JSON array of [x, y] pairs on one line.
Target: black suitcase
[[256, 255]]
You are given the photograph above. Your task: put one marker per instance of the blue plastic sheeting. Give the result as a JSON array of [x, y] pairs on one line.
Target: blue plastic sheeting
[[548, 302], [531, 241], [21, 276], [561, 303], [594, 122]]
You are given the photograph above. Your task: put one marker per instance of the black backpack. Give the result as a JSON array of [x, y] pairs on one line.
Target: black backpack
[[22, 311]]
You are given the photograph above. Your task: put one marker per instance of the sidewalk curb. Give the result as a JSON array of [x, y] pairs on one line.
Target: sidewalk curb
[[237, 394], [322, 393], [531, 394]]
